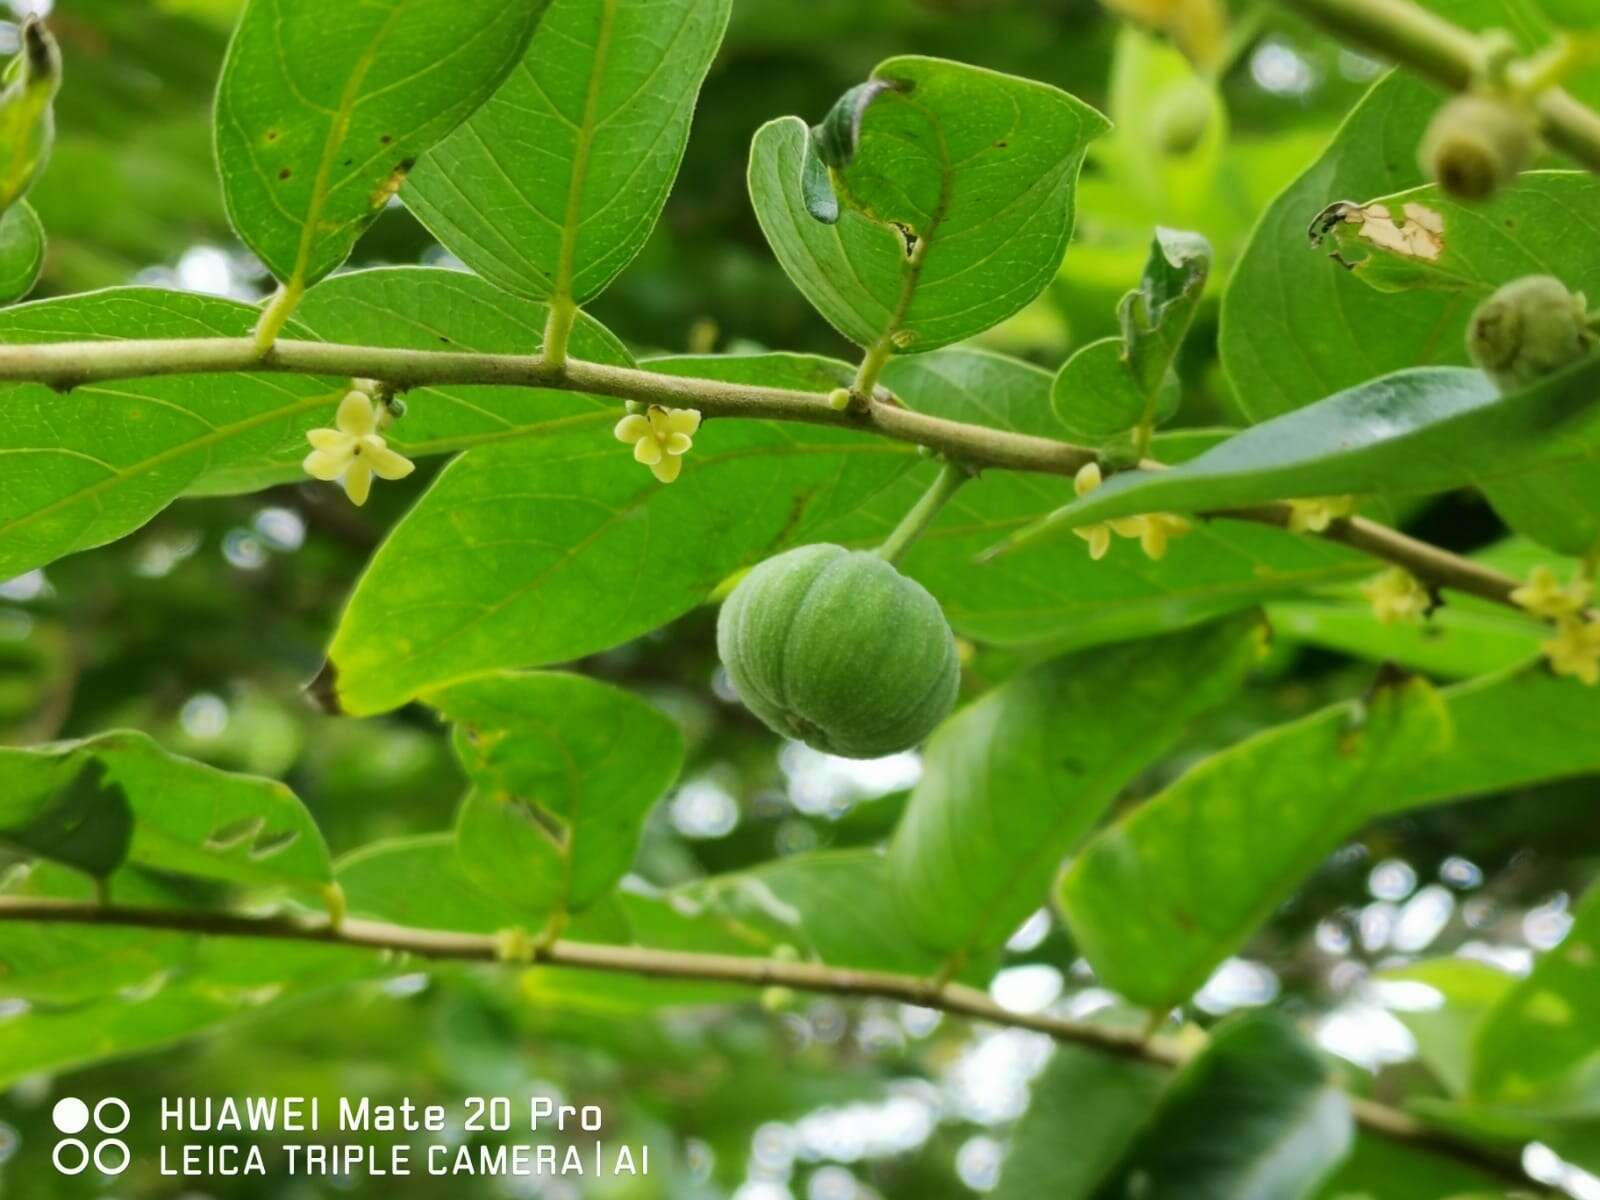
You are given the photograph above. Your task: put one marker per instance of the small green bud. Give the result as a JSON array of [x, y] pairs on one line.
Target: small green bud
[[1478, 144], [839, 399], [1182, 117], [27, 124], [1528, 329]]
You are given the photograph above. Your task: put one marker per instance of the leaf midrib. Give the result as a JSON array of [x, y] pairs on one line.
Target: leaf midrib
[[571, 224], [338, 130]]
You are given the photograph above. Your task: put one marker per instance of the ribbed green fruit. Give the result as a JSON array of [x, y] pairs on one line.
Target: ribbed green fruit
[[839, 650]]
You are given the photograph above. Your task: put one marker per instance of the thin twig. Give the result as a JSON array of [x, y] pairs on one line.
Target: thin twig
[[1422, 41], [956, 999], [65, 365]]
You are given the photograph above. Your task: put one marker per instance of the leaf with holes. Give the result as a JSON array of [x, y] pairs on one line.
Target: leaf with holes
[[1425, 239], [956, 202], [324, 108], [553, 185], [118, 803], [563, 771]]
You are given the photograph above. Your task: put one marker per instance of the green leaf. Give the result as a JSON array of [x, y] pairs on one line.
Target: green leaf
[[322, 111], [543, 550], [563, 771], [1424, 238], [122, 451], [1295, 327], [957, 201], [220, 982], [1557, 506], [119, 800], [1094, 399], [836, 907], [1013, 782], [1539, 1048], [90, 467], [1463, 992], [1056, 596], [1117, 384], [1086, 1110], [1571, 14], [1381, 1169], [618, 554], [1414, 432], [1252, 1117], [419, 882], [21, 251], [1158, 899], [553, 185], [1466, 638]]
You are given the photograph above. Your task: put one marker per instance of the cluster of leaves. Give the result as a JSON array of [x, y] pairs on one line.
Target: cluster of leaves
[[537, 142]]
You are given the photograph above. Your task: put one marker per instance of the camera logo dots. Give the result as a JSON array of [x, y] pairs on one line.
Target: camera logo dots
[[72, 1154]]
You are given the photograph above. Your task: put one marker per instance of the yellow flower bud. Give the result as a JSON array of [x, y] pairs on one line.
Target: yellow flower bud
[[1544, 595], [1575, 650], [1397, 596]]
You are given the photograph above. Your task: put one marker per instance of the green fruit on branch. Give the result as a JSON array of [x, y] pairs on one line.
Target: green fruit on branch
[[837, 649], [1529, 329], [27, 123]]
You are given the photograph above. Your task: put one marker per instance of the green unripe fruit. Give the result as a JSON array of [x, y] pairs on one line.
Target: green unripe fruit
[[1529, 329], [1478, 144], [839, 650], [27, 123]]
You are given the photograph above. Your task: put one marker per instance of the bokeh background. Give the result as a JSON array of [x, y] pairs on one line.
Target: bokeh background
[[204, 626]]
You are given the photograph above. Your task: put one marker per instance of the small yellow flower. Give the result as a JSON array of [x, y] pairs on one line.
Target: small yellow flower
[[1158, 530], [354, 452], [1546, 596], [1397, 596], [1315, 515], [1098, 536], [1154, 530], [1575, 650], [660, 437]]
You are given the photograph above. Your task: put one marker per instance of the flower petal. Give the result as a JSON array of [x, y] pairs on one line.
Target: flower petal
[[678, 443], [387, 463], [647, 451], [358, 483], [328, 439], [631, 428], [682, 420], [1087, 479], [355, 415], [325, 465], [667, 469]]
